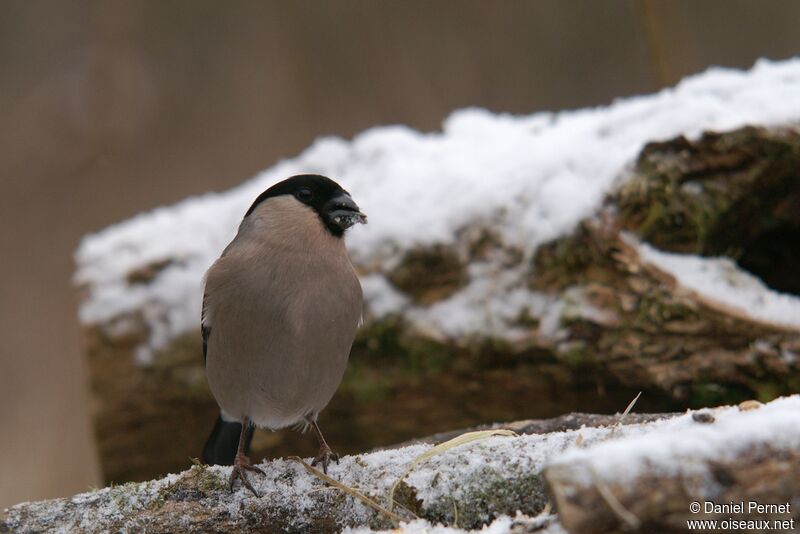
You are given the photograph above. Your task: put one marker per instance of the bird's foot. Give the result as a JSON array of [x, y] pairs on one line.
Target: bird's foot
[[241, 465], [324, 457]]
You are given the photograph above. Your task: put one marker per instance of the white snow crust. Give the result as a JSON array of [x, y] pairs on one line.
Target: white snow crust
[[720, 282], [682, 445], [529, 178]]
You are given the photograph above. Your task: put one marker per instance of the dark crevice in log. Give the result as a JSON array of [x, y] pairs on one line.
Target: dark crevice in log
[[774, 257]]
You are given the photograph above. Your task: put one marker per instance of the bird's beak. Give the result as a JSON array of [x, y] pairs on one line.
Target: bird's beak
[[344, 212]]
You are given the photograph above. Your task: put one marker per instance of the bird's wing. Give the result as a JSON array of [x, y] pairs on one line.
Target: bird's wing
[[205, 320], [205, 329]]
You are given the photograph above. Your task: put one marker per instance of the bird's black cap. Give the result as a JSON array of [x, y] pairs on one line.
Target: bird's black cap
[[323, 195]]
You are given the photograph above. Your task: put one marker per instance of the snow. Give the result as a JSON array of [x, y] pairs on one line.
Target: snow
[[683, 445], [721, 283], [529, 178]]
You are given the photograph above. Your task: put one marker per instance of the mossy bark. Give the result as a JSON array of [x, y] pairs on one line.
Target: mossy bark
[[721, 195]]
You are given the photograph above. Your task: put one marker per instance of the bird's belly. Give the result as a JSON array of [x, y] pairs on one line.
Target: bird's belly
[[285, 368], [278, 391]]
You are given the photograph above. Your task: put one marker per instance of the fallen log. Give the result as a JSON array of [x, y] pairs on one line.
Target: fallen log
[[511, 305], [562, 423], [650, 472]]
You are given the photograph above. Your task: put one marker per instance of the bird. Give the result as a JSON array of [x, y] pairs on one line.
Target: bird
[[281, 308]]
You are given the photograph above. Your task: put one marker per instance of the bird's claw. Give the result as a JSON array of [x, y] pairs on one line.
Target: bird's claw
[[240, 466], [324, 457]]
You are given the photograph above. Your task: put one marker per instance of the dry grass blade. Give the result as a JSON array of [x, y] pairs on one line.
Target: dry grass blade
[[348, 490], [628, 409], [446, 446]]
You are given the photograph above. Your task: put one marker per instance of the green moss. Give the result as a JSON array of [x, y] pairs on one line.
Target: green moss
[[485, 495], [390, 344], [206, 481], [126, 495], [564, 262], [657, 309], [575, 354], [198, 483], [425, 354], [714, 195], [428, 274], [163, 495], [713, 394], [381, 338], [792, 383], [767, 391], [365, 384]]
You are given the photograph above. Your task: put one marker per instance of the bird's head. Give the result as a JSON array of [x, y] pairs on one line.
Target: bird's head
[[335, 207]]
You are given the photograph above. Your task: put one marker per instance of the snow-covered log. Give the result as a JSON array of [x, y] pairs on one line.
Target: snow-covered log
[[513, 267], [731, 465], [650, 472], [465, 486]]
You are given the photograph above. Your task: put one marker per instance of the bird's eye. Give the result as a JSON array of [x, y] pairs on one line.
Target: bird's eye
[[305, 194]]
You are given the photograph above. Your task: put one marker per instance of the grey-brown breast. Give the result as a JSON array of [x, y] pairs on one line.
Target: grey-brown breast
[[282, 306]]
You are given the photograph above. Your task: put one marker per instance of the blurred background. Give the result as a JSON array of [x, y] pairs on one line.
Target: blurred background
[[110, 108]]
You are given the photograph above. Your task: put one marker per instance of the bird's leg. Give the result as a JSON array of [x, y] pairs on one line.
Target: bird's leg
[[241, 462], [325, 454]]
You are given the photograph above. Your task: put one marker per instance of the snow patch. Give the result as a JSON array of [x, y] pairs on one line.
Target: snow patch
[[720, 282]]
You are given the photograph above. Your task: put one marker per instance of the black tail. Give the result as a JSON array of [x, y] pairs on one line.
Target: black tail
[[223, 442]]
